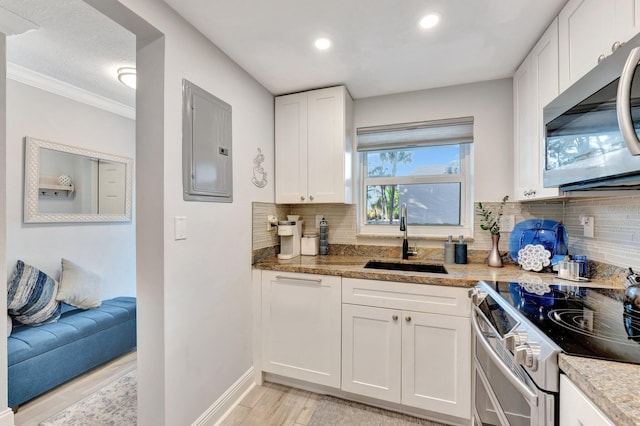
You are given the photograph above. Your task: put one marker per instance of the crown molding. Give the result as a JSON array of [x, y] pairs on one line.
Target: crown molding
[[32, 78], [13, 24]]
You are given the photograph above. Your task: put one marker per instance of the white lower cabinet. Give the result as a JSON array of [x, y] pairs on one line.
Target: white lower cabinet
[[578, 410], [436, 363], [408, 344], [371, 352], [300, 325], [418, 359]]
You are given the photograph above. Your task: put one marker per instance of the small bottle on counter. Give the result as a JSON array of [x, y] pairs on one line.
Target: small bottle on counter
[[461, 250], [449, 250], [324, 237], [583, 268]]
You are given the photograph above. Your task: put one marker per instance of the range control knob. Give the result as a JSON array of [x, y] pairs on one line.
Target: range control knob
[[527, 356], [476, 296], [515, 338]]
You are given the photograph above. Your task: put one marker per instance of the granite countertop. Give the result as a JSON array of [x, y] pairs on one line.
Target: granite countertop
[[466, 275], [612, 386]]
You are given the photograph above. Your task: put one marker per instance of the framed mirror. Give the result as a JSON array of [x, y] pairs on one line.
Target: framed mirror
[[64, 183]]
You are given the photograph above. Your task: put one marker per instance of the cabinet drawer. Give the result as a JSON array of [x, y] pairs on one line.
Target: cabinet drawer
[[414, 297]]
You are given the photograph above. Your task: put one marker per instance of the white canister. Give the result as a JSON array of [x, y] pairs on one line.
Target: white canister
[[310, 245]]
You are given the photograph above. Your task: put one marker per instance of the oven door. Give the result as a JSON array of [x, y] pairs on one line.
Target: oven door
[[503, 392]]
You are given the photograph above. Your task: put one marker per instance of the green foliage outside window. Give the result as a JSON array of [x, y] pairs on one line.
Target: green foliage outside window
[[383, 200]]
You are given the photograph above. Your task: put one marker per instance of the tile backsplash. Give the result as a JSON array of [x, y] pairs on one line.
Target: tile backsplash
[[616, 240]]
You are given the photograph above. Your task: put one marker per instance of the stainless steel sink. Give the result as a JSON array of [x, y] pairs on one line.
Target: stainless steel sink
[[413, 267]]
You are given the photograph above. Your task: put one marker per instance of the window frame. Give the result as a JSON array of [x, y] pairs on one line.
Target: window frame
[[425, 231]]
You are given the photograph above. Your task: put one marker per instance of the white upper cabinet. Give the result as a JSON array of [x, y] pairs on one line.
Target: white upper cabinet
[[591, 29], [535, 84], [627, 19], [314, 148]]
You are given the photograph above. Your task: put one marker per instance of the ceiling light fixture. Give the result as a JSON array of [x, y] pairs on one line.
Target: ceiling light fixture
[[429, 21], [127, 76], [322, 43]]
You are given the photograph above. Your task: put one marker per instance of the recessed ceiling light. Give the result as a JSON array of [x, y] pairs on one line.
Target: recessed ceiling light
[[322, 43], [430, 20], [127, 76]]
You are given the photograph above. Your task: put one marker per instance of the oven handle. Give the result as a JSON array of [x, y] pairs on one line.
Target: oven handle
[[623, 102], [524, 390]]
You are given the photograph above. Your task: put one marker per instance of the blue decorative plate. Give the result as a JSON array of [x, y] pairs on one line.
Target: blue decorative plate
[[546, 232]]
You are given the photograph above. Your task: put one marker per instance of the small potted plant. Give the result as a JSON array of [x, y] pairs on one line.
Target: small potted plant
[[490, 221]]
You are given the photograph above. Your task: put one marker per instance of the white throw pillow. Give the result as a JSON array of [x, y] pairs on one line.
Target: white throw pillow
[[79, 287]]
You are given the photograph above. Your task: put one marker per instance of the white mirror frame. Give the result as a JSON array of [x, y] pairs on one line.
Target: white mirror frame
[[32, 182]]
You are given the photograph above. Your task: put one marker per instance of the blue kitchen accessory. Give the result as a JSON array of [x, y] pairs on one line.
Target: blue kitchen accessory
[[546, 232]]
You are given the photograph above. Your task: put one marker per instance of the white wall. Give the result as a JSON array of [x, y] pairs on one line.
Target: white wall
[[491, 105], [6, 414], [202, 330], [108, 249]]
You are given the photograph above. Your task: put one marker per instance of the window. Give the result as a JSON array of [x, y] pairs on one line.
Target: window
[[425, 165]]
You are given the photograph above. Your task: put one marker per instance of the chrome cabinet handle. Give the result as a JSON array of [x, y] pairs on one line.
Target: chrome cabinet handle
[[302, 198], [310, 197], [601, 57], [311, 280], [623, 102], [394, 317]]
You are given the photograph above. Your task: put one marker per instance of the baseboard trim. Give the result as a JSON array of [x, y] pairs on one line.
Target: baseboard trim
[[6, 418], [215, 414]]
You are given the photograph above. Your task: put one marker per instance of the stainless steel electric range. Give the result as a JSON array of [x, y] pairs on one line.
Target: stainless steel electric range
[[519, 330]]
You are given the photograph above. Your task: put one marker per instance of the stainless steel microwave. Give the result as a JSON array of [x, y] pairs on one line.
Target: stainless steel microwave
[[592, 128]]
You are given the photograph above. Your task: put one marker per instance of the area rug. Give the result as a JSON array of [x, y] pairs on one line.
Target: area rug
[[113, 405], [339, 412]]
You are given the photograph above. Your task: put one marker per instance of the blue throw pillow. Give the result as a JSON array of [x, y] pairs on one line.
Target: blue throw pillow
[[31, 297]]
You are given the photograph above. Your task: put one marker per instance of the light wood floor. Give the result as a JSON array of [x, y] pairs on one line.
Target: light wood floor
[[273, 404], [56, 400], [268, 405]]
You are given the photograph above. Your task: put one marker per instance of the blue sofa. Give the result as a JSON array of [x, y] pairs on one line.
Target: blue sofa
[[46, 356]]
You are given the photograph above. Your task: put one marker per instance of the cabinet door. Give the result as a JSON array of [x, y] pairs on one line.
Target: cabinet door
[[436, 363], [587, 30], [525, 148], [627, 19], [326, 150], [576, 409], [371, 359], [301, 326], [291, 148], [544, 63]]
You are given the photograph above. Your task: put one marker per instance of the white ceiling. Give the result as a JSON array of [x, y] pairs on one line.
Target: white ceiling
[[378, 48], [73, 43]]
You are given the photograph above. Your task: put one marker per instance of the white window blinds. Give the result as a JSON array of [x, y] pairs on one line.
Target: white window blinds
[[424, 133]]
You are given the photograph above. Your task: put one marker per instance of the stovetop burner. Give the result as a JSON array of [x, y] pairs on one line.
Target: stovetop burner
[[584, 321], [581, 321]]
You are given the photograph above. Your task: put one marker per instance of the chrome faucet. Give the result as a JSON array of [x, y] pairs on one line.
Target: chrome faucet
[[406, 252]]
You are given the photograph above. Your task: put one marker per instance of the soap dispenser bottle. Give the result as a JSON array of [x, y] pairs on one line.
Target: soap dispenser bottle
[[449, 250], [461, 250]]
